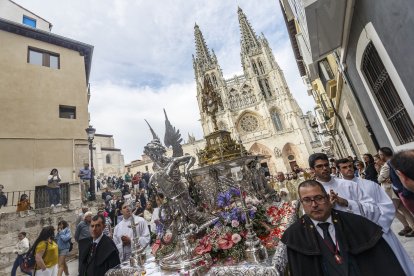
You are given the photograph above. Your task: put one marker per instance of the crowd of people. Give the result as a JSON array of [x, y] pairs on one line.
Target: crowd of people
[[349, 207], [122, 200], [49, 251]]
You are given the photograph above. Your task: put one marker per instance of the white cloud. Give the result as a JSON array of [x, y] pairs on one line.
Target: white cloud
[[142, 57]]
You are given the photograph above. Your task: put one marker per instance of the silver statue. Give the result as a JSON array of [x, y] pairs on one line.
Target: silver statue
[[185, 221]]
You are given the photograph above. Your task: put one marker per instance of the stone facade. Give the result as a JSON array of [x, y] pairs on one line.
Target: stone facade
[[32, 222], [44, 101], [256, 107], [108, 160]]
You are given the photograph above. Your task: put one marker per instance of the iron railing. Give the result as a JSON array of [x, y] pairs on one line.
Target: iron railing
[[39, 197]]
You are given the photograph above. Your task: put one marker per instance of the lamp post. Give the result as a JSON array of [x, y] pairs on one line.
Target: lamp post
[[91, 134]]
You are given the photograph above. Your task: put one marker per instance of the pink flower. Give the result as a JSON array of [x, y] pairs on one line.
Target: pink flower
[[235, 238], [204, 246], [234, 223], [225, 242]]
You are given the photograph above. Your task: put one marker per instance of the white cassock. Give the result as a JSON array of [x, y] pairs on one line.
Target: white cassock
[[123, 229], [387, 210], [359, 202], [283, 188]]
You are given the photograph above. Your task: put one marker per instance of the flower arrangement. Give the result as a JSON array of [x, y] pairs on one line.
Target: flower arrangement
[[225, 240], [278, 217]]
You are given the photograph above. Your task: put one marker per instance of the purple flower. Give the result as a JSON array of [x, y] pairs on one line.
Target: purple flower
[[252, 213], [243, 217], [234, 214], [234, 191], [223, 199]]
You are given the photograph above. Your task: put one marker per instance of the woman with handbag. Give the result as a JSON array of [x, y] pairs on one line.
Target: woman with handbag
[[46, 253], [63, 239], [20, 249]]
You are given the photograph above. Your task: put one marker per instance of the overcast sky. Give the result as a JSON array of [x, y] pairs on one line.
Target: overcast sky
[[142, 58]]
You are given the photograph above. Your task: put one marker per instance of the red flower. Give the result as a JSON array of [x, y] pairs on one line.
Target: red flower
[[204, 246], [225, 242], [155, 247]]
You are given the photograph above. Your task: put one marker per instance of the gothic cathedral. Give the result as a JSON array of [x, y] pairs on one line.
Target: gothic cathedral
[[257, 106]]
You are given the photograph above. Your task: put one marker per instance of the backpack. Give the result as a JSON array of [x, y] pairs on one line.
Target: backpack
[[29, 260]]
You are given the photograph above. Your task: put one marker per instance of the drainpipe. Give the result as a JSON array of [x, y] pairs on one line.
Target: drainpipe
[[345, 77]]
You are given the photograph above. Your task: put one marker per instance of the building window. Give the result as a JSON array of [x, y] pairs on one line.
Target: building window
[[249, 123], [29, 21], [43, 58], [255, 68], [108, 159], [276, 121], [214, 80], [268, 87], [262, 71], [387, 95], [67, 112]]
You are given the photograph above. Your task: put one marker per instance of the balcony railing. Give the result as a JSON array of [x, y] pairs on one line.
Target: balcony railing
[[39, 197]]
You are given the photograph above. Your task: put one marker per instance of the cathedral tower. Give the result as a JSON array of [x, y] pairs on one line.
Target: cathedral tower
[[257, 107]]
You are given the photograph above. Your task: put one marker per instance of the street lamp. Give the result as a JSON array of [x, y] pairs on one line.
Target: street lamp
[[91, 134]]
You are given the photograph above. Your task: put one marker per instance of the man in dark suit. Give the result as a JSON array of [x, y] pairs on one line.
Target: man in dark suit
[[100, 253], [326, 241]]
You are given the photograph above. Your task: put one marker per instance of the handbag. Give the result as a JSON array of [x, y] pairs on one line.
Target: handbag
[[29, 260], [70, 245]]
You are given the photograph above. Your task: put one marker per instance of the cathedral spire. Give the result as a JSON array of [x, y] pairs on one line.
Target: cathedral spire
[[202, 52], [248, 37]]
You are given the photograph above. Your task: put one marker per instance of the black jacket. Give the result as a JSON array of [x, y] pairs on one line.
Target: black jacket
[[371, 173], [361, 239], [106, 257]]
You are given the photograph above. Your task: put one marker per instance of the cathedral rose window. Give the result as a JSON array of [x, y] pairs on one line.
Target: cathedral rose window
[[249, 123]]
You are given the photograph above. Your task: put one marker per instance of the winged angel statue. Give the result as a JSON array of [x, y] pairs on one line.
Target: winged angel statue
[[180, 212]]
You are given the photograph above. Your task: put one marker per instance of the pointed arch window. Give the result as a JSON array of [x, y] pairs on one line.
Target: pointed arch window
[[268, 87], [261, 66], [245, 98], [255, 68], [387, 95], [262, 89], [277, 122], [214, 80], [108, 159]]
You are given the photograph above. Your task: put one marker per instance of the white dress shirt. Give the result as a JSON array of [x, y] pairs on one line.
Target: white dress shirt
[[331, 228], [123, 229]]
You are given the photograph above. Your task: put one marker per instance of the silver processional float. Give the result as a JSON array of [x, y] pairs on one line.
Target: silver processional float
[[223, 164]]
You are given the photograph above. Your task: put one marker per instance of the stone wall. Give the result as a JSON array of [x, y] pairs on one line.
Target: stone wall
[[32, 222]]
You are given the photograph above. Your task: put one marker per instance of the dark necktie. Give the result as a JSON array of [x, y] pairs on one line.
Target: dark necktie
[[327, 238], [92, 252]]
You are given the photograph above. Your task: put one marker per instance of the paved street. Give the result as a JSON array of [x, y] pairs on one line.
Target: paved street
[[408, 243]]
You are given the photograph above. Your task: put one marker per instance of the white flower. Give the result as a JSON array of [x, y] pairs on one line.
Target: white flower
[[235, 238], [234, 223]]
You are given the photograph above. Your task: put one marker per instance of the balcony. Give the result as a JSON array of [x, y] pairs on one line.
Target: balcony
[[325, 20], [331, 88]]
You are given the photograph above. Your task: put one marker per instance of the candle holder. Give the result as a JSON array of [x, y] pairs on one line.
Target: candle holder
[[255, 252]]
